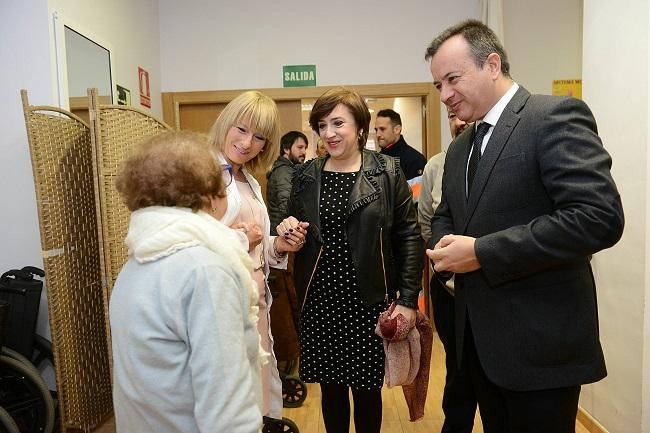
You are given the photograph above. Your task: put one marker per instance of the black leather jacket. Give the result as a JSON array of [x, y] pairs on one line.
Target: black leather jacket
[[381, 229]]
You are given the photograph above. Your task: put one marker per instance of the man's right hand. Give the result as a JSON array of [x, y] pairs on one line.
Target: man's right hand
[[454, 253]]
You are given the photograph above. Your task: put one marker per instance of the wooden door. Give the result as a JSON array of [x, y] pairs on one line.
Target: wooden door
[[199, 117]]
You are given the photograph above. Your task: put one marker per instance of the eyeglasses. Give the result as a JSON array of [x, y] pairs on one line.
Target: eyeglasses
[[226, 174]]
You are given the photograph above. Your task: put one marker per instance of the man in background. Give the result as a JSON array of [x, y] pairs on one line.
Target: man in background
[[458, 398], [293, 148], [388, 127], [284, 314]]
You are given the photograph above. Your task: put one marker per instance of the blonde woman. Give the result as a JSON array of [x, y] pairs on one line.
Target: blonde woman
[[245, 136]]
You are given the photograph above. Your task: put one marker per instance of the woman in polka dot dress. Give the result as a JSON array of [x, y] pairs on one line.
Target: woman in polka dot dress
[[362, 248]]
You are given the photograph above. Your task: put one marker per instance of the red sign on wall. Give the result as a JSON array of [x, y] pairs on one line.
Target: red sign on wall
[[145, 93]]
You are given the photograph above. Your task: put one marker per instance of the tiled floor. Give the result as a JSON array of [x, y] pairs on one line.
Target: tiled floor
[[309, 418]]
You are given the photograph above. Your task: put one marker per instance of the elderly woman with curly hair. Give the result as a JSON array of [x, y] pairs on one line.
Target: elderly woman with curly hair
[[186, 353]]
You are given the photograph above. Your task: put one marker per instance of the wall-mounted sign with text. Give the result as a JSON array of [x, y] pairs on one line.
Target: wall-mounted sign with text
[[298, 75], [145, 91], [567, 88], [123, 95]]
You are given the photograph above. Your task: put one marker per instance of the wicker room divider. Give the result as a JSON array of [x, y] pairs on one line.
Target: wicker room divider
[[60, 149], [83, 223], [116, 129]]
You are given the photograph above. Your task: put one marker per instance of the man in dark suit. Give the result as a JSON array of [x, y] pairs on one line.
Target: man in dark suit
[[527, 199]]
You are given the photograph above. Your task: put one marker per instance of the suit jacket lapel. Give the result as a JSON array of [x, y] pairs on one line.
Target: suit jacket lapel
[[498, 140]]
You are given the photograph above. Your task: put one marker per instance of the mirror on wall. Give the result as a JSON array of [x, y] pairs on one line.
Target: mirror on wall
[[83, 61], [89, 65]]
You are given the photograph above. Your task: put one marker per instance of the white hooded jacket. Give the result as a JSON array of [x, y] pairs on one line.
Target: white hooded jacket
[[186, 354]]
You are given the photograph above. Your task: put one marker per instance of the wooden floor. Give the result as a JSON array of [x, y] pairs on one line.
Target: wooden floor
[[309, 418], [395, 414], [395, 417]]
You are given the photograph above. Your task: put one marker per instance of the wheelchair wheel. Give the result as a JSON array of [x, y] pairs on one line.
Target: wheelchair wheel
[[7, 424], [294, 391], [24, 395], [18, 357], [284, 425], [5, 351]]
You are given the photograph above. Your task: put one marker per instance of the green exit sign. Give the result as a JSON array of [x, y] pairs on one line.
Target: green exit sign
[[299, 75]]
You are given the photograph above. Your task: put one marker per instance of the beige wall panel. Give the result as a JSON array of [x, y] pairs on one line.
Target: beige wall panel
[[199, 117], [290, 116]]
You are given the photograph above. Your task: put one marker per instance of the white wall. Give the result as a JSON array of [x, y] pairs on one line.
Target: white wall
[[23, 45], [537, 55], [245, 44], [344, 40], [131, 28], [351, 42], [543, 41], [616, 44]]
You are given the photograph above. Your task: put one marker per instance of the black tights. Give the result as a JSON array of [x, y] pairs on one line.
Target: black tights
[[336, 408]]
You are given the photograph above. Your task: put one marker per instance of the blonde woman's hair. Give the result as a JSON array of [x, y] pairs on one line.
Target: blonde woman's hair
[[261, 112]]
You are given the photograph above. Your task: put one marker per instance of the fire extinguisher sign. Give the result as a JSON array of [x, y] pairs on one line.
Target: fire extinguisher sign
[[145, 93]]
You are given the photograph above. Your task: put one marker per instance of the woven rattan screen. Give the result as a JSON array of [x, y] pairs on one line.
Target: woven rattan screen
[[117, 129], [60, 148]]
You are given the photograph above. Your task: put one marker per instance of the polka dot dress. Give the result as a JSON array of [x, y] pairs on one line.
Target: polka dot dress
[[337, 339]]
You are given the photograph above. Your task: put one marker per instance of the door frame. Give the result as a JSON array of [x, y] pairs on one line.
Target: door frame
[[172, 101]]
